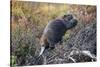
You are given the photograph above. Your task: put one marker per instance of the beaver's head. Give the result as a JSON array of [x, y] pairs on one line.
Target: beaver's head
[[69, 21]]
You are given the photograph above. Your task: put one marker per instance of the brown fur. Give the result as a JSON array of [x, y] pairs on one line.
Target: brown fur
[[43, 41]]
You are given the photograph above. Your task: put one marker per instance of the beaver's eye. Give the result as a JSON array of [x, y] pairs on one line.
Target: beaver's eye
[[69, 17]]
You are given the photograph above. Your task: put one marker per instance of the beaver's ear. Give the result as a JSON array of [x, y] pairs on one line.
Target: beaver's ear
[[42, 50]]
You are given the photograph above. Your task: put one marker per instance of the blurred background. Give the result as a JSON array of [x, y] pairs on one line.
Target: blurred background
[[28, 20]]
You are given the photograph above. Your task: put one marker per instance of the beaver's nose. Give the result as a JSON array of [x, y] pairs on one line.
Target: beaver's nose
[[75, 21]]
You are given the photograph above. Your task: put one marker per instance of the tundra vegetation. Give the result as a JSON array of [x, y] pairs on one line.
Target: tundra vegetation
[[28, 20]]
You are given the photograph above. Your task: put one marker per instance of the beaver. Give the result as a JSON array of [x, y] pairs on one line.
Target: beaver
[[55, 30]]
